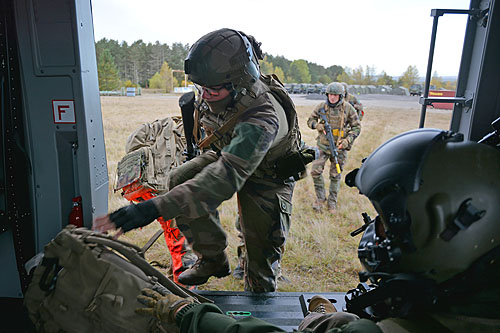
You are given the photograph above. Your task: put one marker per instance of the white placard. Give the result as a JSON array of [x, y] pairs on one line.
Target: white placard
[[64, 111]]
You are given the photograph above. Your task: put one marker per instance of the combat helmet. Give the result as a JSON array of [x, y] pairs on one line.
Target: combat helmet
[[222, 57], [437, 227], [335, 88], [346, 86]]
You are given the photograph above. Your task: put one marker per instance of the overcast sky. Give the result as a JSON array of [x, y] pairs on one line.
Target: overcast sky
[[387, 34]]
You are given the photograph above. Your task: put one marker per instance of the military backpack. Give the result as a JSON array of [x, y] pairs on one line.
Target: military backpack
[[152, 150], [89, 282]]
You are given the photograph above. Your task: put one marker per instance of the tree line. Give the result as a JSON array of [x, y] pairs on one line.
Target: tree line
[[122, 64], [151, 65]]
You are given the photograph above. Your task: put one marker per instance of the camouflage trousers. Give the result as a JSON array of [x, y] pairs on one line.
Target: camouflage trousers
[[317, 168], [241, 253], [265, 208]]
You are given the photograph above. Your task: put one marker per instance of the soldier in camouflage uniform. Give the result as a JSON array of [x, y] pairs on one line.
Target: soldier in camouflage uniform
[[354, 101], [249, 131], [346, 127]]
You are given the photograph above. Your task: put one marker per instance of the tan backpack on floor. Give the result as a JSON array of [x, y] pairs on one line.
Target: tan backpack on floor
[[88, 282]]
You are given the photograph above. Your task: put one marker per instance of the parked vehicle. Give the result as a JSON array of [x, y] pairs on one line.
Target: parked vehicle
[[416, 90]]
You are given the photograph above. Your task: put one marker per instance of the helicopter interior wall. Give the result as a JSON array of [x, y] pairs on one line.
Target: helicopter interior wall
[[51, 47], [16, 226], [487, 102]]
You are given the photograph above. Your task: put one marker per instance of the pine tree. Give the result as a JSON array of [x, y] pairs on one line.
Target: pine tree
[[358, 75], [325, 79], [437, 81], [409, 77], [107, 72], [279, 73], [299, 71], [369, 75], [157, 82], [333, 72], [266, 67], [167, 77], [384, 79], [343, 77]]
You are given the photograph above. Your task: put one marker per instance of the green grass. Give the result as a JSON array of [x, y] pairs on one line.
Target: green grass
[[320, 254]]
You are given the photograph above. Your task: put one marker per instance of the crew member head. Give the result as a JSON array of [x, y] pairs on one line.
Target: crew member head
[[437, 230]]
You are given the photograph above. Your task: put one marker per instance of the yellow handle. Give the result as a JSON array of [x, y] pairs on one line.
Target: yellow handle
[[338, 168], [336, 131]]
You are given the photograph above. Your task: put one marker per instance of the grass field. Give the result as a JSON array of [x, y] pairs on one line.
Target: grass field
[[320, 255]]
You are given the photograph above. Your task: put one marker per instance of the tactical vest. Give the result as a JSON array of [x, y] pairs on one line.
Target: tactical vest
[[336, 121], [291, 141], [220, 129]]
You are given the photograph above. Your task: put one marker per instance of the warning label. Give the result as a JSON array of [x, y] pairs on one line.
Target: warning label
[[64, 111]]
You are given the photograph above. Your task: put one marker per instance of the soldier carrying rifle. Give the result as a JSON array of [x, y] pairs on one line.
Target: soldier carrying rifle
[[344, 127]]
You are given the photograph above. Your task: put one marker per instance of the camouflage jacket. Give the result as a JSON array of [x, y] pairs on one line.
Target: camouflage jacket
[[348, 129], [248, 150]]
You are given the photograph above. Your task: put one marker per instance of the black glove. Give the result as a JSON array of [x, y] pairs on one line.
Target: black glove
[[308, 154], [135, 216]]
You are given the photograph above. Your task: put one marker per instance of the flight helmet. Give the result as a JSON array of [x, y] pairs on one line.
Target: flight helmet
[[437, 232], [437, 198]]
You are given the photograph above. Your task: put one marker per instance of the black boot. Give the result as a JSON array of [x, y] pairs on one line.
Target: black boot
[[204, 268]]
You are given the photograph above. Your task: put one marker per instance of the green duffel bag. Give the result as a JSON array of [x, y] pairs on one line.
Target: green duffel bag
[[89, 282]]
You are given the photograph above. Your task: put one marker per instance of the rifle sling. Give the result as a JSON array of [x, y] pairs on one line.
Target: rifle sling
[[342, 109], [196, 127], [151, 241], [218, 134]]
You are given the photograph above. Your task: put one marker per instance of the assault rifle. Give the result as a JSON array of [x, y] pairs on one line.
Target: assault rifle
[[331, 141], [186, 103]]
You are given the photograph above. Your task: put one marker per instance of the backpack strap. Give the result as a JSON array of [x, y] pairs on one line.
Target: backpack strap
[[135, 258], [241, 106], [269, 83], [151, 241], [341, 130], [218, 134], [86, 232]]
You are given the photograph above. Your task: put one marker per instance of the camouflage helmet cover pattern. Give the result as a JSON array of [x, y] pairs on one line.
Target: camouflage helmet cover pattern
[[223, 56], [335, 88]]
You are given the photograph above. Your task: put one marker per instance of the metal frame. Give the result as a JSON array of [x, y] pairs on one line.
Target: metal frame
[[425, 99]]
